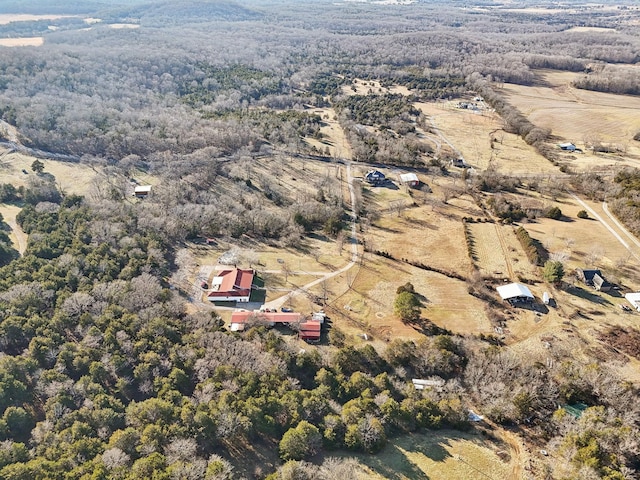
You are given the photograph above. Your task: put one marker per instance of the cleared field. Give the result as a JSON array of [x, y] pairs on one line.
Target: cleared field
[[372, 87], [367, 307], [499, 252], [334, 137], [581, 116], [422, 235], [6, 18], [22, 42], [471, 134], [70, 177], [17, 236], [586, 243], [438, 455]]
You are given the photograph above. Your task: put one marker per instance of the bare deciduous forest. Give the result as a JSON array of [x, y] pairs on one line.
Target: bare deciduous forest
[[105, 373]]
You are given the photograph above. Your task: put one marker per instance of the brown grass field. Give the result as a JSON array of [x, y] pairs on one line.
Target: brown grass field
[[22, 42], [579, 116], [6, 18], [70, 177], [471, 134], [334, 136], [441, 455], [499, 252]]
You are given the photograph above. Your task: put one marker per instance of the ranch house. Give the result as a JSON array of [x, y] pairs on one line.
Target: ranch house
[[231, 286], [375, 177], [593, 278], [308, 330]]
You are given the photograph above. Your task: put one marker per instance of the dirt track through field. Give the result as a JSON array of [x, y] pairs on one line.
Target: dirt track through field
[[608, 227], [505, 251]]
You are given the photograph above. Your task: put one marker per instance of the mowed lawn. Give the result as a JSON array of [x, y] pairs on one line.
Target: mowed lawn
[[441, 455]]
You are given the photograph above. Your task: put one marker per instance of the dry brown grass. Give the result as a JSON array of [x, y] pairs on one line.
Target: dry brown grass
[[334, 136], [6, 18], [70, 177], [442, 455], [471, 134], [580, 116], [499, 253]]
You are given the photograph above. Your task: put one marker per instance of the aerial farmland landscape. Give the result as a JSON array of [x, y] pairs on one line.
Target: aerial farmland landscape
[[275, 239]]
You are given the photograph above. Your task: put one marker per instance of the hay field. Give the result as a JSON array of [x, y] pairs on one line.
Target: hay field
[[441, 455], [499, 252], [581, 115], [471, 134], [424, 235]]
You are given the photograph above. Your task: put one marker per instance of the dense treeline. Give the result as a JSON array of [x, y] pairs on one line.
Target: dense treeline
[[121, 89], [105, 374], [611, 79]]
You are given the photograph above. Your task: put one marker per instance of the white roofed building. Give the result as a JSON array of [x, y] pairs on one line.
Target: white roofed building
[[515, 293], [410, 179], [634, 299]]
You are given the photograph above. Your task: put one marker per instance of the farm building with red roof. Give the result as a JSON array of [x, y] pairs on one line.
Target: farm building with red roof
[[309, 330], [231, 286]]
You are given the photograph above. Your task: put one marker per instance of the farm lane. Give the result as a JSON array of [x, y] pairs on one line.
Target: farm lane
[[277, 303], [621, 227], [595, 215]]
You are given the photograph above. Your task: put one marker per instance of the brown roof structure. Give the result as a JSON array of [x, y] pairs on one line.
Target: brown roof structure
[[267, 317], [310, 331]]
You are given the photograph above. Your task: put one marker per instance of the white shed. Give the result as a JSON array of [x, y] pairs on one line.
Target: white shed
[[410, 179], [142, 191], [515, 292], [634, 299]]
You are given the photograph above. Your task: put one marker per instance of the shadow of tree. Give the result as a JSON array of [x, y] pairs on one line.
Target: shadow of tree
[[587, 295]]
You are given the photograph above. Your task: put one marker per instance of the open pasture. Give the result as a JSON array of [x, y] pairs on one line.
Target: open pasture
[[22, 42], [70, 177], [333, 135], [581, 116], [472, 132], [499, 253], [368, 306], [443, 455]]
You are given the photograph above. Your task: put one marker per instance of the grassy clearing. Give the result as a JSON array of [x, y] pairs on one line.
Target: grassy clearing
[[17, 236], [471, 134], [438, 455], [579, 116], [70, 177], [333, 135]]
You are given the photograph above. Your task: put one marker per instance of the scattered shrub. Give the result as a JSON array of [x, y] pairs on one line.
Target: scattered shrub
[[583, 214], [554, 212]]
